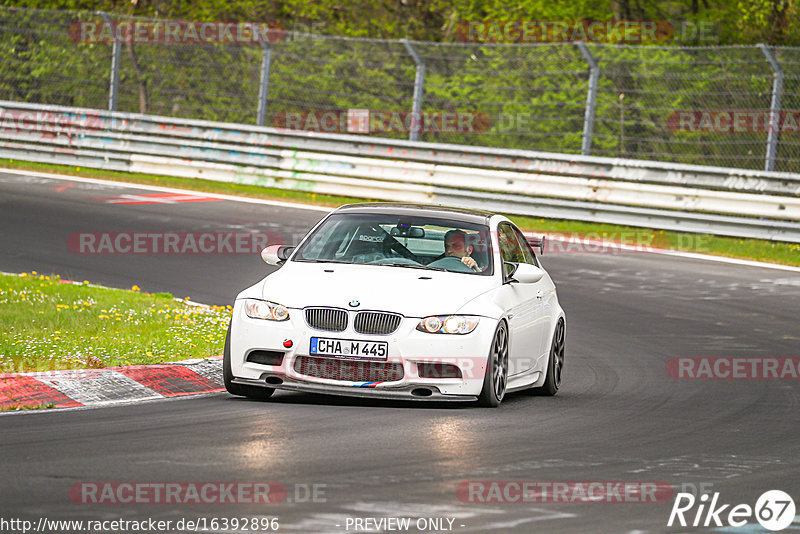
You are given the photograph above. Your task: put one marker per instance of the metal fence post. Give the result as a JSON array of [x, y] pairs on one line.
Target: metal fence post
[[419, 86], [591, 98], [775, 107], [263, 87], [116, 49]]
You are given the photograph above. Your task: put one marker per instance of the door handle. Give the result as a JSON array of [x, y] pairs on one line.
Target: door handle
[[539, 294]]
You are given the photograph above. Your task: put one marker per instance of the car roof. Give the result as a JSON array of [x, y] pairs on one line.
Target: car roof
[[400, 208]]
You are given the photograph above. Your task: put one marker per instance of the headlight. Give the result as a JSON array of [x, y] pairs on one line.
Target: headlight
[[448, 324], [263, 309]]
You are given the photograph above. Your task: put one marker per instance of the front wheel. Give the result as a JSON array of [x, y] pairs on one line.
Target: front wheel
[[496, 375], [555, 365], [251, 392]]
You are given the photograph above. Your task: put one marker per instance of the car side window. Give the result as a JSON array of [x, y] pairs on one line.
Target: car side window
[[527, 251], [510, 250]]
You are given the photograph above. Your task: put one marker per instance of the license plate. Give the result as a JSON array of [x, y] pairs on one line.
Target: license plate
[[349, 348]]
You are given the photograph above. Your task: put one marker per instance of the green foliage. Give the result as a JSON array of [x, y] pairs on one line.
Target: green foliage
[[533, 96], [739, 22]]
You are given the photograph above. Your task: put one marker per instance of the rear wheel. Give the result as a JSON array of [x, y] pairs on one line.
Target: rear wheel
[[251, 392], [496, 376], [555, 366]]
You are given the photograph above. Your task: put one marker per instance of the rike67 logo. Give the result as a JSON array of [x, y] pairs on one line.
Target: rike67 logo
[[774, 510]]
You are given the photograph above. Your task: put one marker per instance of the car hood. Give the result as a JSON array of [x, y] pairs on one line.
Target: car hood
[[411, 292]]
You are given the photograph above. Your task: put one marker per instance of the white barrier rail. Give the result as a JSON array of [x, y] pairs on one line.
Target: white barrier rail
[[721, 201]]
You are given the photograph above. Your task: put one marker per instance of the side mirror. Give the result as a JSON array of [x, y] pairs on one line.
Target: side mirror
[[525, 273], [276, 254]]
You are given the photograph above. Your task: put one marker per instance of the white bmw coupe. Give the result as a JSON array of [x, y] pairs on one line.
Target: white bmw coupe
[[400, 301]]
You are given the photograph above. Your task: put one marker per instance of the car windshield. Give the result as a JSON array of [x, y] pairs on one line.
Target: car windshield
[[400, 241]]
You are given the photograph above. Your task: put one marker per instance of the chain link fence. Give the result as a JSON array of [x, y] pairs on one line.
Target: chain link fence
[[735, 106]]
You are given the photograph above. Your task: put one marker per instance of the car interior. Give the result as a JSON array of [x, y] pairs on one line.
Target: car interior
[[398, 243]]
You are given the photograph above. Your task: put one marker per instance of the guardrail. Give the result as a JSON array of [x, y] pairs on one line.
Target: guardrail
[[720, 201]]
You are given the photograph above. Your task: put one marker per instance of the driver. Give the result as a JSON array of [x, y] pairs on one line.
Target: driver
[[455, 245]]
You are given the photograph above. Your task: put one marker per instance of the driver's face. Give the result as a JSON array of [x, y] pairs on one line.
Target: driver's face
[[457, 245]]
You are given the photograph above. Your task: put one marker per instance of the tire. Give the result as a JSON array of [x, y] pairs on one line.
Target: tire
[[251, 392], [495, 379], [555, 364]]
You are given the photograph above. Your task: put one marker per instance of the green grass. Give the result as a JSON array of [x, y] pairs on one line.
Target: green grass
[[752, 249], [22, 407], [46, 324]]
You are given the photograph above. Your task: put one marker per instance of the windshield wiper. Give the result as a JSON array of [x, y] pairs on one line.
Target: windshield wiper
[[327, 261], [410, 266]]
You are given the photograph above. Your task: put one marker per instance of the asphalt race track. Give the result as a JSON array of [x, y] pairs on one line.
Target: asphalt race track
[[618, 417]]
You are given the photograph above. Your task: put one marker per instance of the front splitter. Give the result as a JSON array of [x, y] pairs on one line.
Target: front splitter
[[360, 392]]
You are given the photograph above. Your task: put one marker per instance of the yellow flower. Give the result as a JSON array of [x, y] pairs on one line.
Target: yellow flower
[[135, 288]]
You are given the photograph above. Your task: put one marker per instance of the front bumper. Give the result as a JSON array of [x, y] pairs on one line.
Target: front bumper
[[409, 392], [407, 346]]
